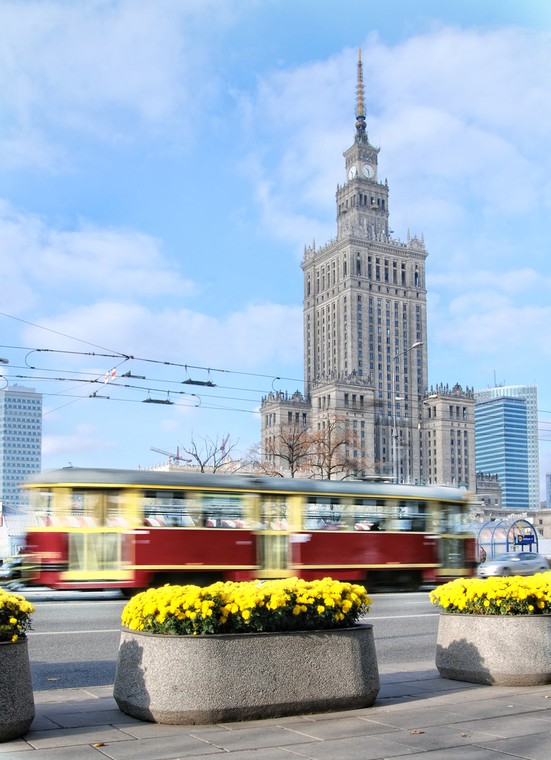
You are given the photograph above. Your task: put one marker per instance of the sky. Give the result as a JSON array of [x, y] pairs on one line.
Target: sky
[[164, 164]]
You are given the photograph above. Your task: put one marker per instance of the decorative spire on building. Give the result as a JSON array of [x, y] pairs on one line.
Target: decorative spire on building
[[361, 130]]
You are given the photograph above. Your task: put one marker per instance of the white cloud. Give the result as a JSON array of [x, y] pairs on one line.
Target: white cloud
[[512, 281], [454, 128], [513, 332], [115, 289], [98, 67], [85, 438], [44, 265], [254, 337]]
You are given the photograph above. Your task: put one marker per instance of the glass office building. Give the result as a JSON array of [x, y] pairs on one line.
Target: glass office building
[[530, 395], [501, 447]]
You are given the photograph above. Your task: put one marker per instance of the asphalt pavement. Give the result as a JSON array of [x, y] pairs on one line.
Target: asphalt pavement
[[417, 715]]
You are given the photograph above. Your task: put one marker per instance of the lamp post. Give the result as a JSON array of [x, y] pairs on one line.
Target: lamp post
[[395, 398]]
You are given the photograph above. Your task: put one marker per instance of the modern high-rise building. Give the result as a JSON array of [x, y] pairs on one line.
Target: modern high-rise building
[[501, 432], [529, 393], [20, 442], [365, 336]]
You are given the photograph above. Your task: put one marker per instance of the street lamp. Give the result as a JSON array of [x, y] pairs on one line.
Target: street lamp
[[395, 398]]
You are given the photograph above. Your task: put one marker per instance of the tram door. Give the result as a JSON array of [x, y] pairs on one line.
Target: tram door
[[273, 538], [95, 543]]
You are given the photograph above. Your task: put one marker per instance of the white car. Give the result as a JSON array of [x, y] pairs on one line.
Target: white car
[[513, 563], [10, 570]]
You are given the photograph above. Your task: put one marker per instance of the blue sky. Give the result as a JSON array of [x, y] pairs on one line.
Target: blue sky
[[163, 164]]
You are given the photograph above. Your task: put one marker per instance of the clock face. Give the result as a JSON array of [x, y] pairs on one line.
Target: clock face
[[352, 172], [368, 171]]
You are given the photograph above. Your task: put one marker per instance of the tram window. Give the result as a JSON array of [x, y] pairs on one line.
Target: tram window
[[41, 508], [273, 514], [115, 512], [389, 514], [451, 518], [324, 513], [412, 515], [95, 508], [371, 514], [169, 509], [223, 511], [81, 510]]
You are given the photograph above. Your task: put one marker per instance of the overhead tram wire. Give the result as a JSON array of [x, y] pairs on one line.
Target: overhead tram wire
[[130, 357], [100, 379], [94, 377], [217, 407], [117, 384], [163, 362], [55, 332], [201, 398]]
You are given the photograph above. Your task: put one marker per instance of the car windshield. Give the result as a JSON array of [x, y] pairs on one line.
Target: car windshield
[[506, 557]]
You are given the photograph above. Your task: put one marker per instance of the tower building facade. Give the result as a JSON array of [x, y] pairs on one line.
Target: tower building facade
[[365, 361], [448, 433], [20, 442], [529, 394], [502, 447]]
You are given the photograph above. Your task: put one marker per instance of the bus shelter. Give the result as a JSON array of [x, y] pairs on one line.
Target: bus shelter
[[498, 536]]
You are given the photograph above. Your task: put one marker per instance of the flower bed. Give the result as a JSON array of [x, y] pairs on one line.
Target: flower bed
[[495, 631], [248, 607], [15, 616], [16, 691], [512, 595], [237, 651]]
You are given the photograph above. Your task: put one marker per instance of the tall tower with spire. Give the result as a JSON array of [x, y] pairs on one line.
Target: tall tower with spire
[[365, 330]]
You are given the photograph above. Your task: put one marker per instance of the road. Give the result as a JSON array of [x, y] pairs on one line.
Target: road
[[75, 637]]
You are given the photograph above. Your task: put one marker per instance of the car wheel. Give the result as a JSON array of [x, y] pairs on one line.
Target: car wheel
[[504, 572]]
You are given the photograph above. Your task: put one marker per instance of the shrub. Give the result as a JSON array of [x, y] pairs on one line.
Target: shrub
[[512, 595], [15, 616], [283, 605]]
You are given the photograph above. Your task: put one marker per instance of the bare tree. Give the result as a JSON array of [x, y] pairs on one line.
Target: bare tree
[[290, 449], [329, 449], [210, 454], [255, 463]]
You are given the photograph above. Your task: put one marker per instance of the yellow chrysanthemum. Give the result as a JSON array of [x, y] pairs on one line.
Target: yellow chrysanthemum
[[251, 605]]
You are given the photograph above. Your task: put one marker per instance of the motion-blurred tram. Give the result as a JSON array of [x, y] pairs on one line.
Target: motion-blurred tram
[[132, 529]]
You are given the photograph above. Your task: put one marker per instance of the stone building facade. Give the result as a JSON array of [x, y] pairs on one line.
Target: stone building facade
[[448, 452], [365, 331]]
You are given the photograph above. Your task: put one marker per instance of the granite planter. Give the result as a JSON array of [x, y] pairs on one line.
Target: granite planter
[[16, 690], [244, 676], [501, 650]]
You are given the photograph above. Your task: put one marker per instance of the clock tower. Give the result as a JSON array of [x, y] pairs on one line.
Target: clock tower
[[365, 329], [362, 202]]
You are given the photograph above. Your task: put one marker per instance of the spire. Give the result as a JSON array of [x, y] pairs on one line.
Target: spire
[[361, 131]]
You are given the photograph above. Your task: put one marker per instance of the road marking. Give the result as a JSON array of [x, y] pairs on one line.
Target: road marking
[[32, 634], [368, 618]]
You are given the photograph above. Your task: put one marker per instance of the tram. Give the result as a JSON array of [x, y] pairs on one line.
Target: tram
[[132, 529]]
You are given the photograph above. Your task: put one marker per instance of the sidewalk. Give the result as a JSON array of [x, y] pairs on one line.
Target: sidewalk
[[417, 715]]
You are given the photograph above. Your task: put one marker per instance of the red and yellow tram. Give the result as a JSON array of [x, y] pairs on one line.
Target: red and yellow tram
[[131, 529]]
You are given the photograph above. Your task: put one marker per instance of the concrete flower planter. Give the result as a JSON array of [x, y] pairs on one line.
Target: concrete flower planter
[[220, 677], [501, 650], [16, 690]]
